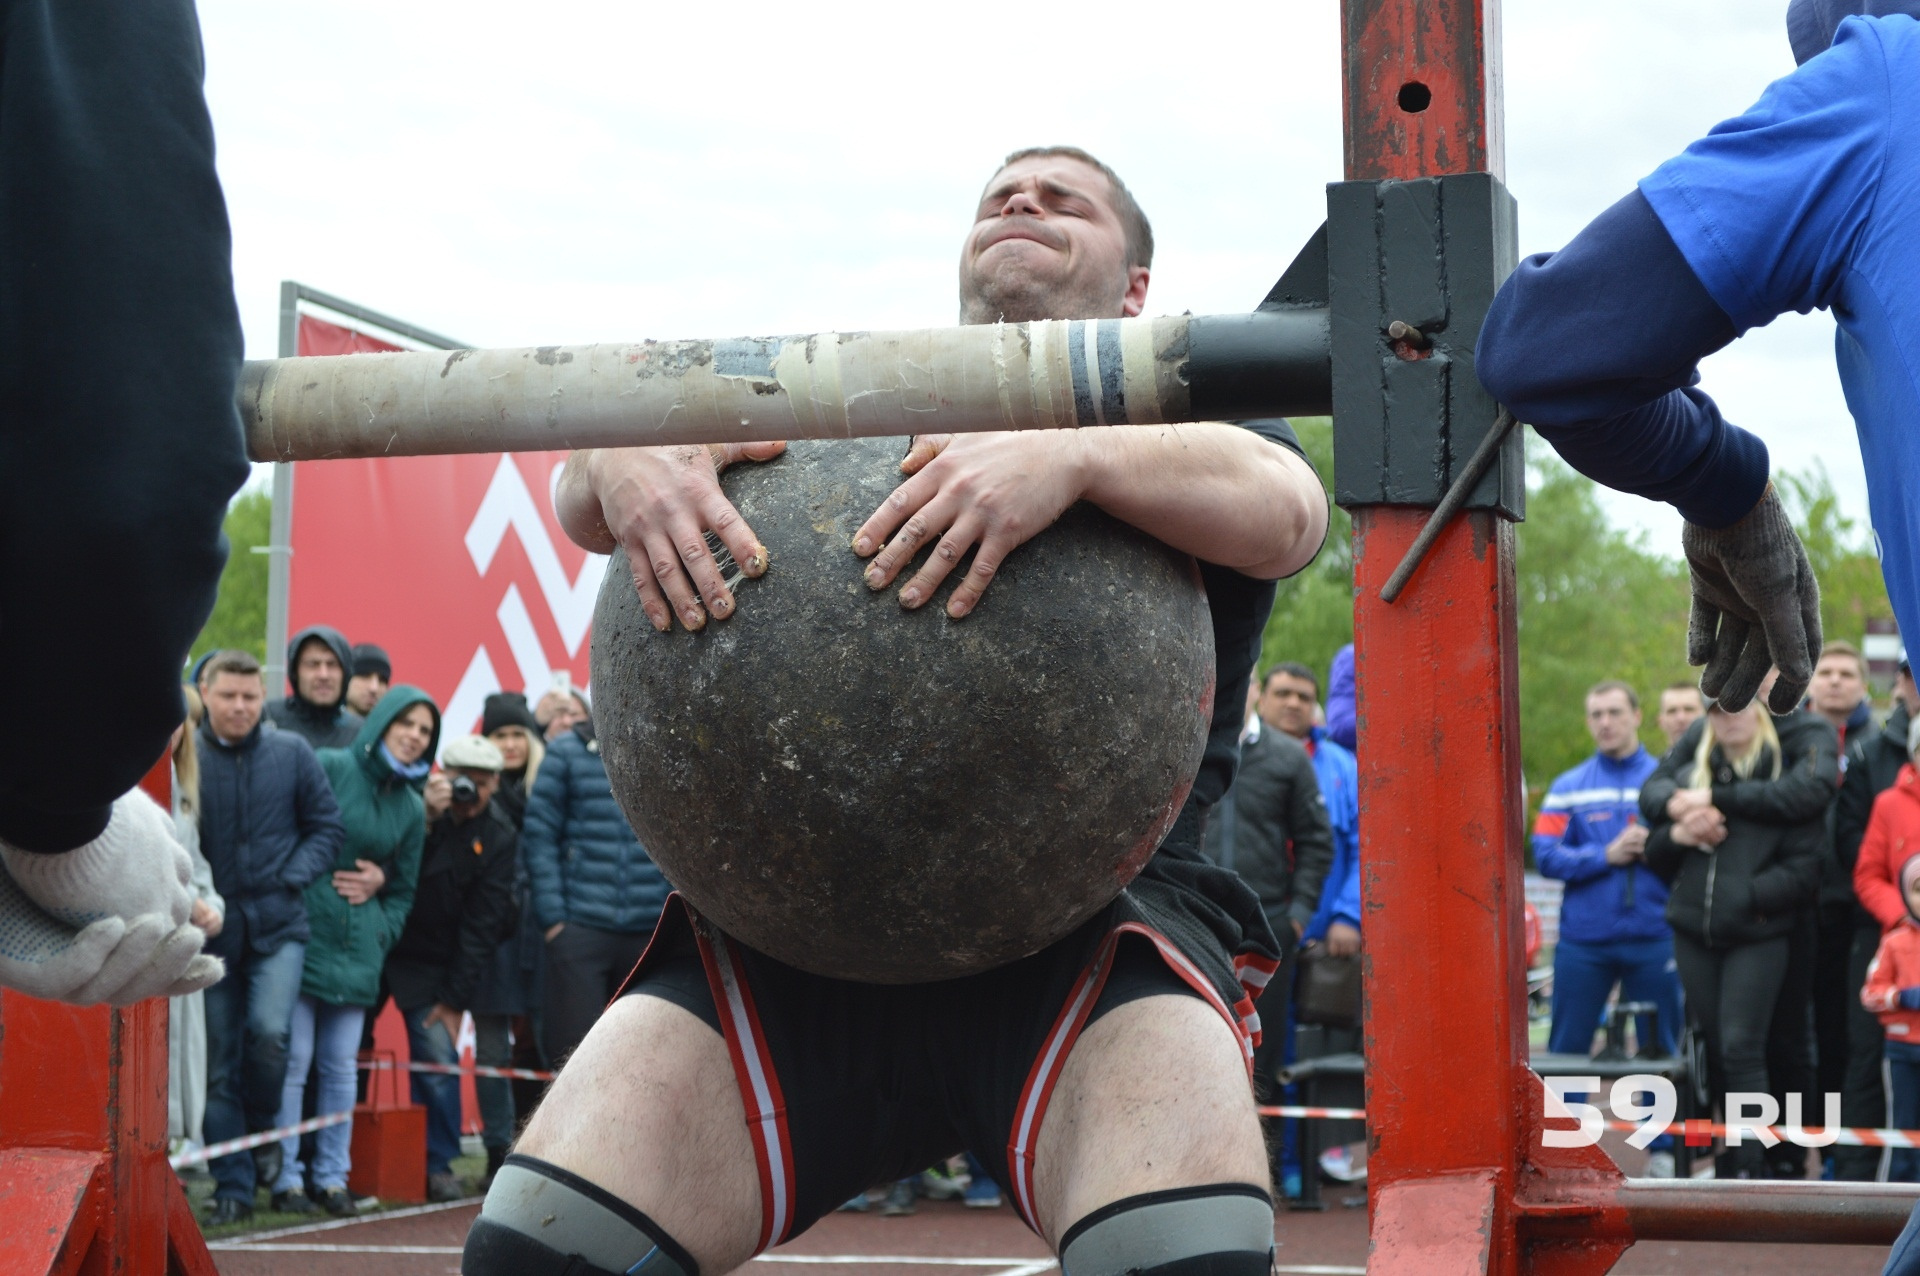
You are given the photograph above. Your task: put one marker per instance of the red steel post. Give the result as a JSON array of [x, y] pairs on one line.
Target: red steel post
[[1451, 1101]]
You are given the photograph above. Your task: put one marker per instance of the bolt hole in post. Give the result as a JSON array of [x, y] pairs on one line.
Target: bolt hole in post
[[1415, 97], [1409, 343]]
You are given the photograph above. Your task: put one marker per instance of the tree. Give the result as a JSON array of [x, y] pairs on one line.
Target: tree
[[239, 618], [1852, 590]]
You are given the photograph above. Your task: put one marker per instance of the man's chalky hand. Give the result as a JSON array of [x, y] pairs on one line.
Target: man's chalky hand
[[1756, 605], [134, 868]]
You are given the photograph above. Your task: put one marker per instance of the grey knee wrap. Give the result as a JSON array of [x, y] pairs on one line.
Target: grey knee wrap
[[540, 1220], [1224, 1229]]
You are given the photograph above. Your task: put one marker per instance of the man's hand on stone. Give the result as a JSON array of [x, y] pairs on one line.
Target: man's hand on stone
[[1756, 605], [988, 493], [659, 503]]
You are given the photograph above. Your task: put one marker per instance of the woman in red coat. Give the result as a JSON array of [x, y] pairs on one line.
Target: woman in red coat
[[1893, 835]]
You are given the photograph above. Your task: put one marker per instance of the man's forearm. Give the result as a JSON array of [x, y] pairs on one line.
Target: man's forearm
[[1221, 493]]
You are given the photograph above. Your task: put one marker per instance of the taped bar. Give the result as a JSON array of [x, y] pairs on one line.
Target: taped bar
[[1047, 374]]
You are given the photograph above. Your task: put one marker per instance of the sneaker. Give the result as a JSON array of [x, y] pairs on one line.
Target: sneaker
[[858, 1204], [294, 1201], [444, 1187], [899, 1202], [940, 1184], [266, 1164], [1659, 1165], [983, 1194], [1337, 1164], [225, 1211], [338, 1201]]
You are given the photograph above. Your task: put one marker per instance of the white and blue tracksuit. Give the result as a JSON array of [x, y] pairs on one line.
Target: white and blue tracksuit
[[1339, 776], [1613, 919]]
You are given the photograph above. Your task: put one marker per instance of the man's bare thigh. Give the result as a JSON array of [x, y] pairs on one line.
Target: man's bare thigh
[[648, 1109], [1154, 1096]]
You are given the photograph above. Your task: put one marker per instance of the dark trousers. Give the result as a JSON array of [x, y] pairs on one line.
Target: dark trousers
[[1832, 994], [1730, 999], [1790, 1058], [585, 967], [1275, 1008], [1863, 1098], [249, 1023], [1903, 1071]]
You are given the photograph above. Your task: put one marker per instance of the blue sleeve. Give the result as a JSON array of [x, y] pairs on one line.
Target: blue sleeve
[[1769, 207], [1346, 900], [540, 840], [1342, 719], [1561, 850], [322, 832], [1597, 347]]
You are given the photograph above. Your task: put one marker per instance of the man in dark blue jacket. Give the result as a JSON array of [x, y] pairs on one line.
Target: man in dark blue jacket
[[596, 892], [1805, 201], [269, 825]]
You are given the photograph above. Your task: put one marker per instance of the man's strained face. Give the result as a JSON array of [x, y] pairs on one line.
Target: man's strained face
[[1046, 243]]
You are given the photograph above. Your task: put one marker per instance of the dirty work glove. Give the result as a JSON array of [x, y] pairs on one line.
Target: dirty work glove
[[1755, 605], [133, 868], [108, 960]]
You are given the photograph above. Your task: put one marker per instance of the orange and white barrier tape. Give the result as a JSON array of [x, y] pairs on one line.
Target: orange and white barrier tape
[[230, 1146], [455, 1069]]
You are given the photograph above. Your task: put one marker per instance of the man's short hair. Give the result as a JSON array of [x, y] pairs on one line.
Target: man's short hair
[[1684, 685], [1614, 684], [1293, 669], [1132, 220], [1841, 647], [237, 662]]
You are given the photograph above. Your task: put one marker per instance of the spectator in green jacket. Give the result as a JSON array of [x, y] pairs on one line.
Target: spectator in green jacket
[[356, 915]]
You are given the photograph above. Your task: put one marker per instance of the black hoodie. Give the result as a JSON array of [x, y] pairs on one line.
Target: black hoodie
[[324, 726]]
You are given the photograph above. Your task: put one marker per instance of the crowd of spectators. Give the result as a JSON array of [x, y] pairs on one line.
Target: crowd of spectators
[[1742, 885], [344, 857]]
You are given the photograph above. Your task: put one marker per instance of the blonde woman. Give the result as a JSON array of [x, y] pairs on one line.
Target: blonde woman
[[1737, 823], [187, 1016]]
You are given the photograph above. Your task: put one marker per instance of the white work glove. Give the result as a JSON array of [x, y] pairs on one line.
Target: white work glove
[[135, 867], [108, 960]]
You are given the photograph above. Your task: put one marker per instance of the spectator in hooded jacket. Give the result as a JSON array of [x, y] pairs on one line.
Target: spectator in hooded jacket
[[1742, 859], [506, 1006], [317, 662], [357, 915], [462, 909], [596, 893], [372, 674], [1874, 761], [269, 826], [1613, 924], [1892, 992]]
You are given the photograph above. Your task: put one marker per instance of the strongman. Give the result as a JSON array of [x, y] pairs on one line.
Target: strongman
[[726, 1101]]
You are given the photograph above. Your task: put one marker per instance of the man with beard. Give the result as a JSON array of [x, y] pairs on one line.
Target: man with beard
[[1106, 1077]]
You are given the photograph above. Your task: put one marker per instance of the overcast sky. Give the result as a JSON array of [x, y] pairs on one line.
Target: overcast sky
[[514, 174]]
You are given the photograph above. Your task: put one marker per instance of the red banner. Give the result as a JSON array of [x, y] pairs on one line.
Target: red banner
[[454, 564]]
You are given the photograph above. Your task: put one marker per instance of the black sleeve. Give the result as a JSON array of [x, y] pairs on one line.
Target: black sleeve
[[1805, 789], [1663, 854], [483, 921], [1851, 807], [1668, 778], [119, 440], [1312, 841]]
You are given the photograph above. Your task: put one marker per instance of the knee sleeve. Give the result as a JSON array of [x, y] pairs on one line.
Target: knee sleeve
[[1223, 1229], [539, 1220]]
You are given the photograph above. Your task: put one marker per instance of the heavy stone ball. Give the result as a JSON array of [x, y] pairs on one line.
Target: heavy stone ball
[[893, 796]]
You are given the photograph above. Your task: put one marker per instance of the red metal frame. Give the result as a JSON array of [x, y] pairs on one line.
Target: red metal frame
[[84, 1183]]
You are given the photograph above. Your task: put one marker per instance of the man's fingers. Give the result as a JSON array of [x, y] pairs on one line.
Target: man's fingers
[[663, 557], [732, 531], [652, 601], [203, 971], [898, 508], [1703, 623], [1793, 639], [1748, 674], [696, 557], [733, 453], [1726, 651], [134, 950], [986, 562], [925, 448], [945, 557], [171, 957], [913, 536]]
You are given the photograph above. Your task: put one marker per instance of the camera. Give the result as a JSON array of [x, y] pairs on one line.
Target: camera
[[465, 791]]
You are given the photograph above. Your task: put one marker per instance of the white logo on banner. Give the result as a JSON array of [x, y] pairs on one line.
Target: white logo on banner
[[508, 506]]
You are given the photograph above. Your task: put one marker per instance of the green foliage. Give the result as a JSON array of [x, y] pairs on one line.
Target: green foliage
[[239, 618], [1852, 591]]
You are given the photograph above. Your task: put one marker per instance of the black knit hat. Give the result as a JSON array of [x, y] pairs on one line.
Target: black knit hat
[[368, 658], [1811, 24], [507, 709]]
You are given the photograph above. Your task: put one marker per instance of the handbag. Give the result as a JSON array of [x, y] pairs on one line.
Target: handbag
[[1328, 992]]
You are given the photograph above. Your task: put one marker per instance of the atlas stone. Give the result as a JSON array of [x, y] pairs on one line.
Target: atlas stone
[[897, 797]]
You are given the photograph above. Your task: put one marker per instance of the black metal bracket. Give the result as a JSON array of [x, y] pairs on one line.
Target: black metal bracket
[[1412, 267]]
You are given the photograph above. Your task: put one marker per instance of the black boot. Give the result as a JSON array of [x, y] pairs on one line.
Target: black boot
[[496, 1157], [266, 1165]]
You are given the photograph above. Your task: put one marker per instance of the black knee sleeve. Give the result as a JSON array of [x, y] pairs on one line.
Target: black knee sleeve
[[539, 1220], [1223, 1229]]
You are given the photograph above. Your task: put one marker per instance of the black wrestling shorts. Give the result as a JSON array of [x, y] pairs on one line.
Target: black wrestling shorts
[[847, 1085]]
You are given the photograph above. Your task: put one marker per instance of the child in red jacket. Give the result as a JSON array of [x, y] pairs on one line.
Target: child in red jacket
[[1892, 991]]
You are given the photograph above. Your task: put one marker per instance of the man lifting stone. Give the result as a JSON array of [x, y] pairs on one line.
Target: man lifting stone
[[726, 1101]]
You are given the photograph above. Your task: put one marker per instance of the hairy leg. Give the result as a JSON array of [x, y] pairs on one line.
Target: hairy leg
[[647, 1109], [1154, 1096]]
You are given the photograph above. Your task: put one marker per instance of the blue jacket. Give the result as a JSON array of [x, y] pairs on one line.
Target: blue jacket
[[584, 861], [1585, 809], [1339, 776], [269, 825]]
